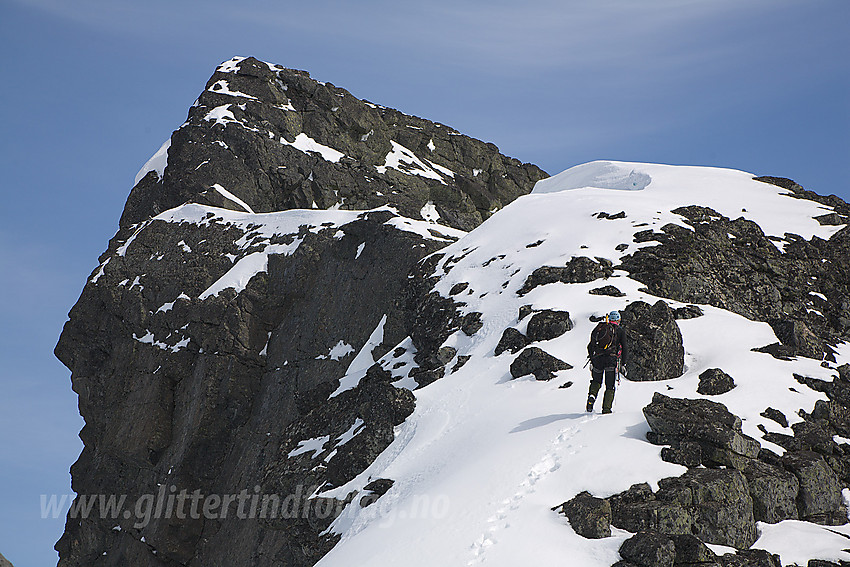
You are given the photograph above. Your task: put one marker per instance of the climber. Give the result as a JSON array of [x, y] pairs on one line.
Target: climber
[[607, 352]]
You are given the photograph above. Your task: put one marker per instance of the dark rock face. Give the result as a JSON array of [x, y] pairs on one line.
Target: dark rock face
[[819, 498], [774, 491], [590, 517], [804, 293], [654, 341], [714, 382], [719, 502], [431, 319], [369, 412], [548, 324], [537, 361], [250, 379], [235, 385], [707, 426]]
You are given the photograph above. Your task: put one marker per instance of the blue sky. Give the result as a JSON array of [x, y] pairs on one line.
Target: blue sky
[[91, 88]]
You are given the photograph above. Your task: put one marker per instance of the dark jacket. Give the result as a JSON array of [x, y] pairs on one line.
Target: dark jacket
[[621, 340]]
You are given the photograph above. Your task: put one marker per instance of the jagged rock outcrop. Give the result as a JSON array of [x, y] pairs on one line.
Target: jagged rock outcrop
[[802, 292], [713, 504], [699, 432], [638, 509], [208, 345], [651, 549], [723, 504]]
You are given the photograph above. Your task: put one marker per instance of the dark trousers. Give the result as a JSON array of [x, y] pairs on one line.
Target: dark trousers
[[602, 368], [610, 375]]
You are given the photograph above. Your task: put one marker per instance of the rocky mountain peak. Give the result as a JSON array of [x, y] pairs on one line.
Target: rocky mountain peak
[[296, 334], [265, 138]]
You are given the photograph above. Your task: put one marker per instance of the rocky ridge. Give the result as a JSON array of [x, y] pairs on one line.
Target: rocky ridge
[[280, 353], [733, 481], [262, 256]]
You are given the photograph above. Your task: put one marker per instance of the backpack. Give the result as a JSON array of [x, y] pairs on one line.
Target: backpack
[[604, 340]]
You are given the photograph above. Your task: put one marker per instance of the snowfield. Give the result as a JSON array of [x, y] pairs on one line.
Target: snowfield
[[482, 461]]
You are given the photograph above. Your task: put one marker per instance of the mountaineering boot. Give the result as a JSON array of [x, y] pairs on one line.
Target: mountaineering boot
[[607, 400], [591, 395]]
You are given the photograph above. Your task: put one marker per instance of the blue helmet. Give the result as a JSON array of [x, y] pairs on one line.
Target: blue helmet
[[614, 316]]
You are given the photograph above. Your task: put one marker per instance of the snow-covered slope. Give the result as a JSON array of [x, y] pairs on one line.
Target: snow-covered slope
[[482, 461]]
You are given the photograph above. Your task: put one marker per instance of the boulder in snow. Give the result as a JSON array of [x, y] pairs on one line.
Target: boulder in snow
[[548, 324], [608, 290], [512, 340], [537, 361], [578, 270], [471, 323], [654, 341], [590, 517], [687, 312], [691, 552], [714, 382]]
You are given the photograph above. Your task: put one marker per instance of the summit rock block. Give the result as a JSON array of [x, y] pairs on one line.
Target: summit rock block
[[276, 139]]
